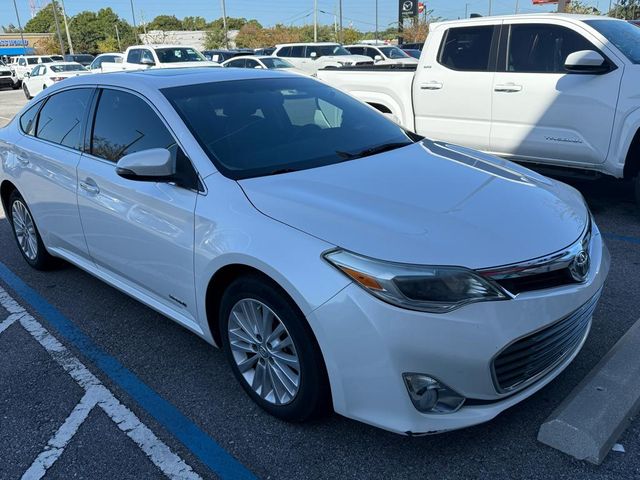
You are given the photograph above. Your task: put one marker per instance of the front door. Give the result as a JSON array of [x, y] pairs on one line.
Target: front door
[[139, 233], [541, 113]]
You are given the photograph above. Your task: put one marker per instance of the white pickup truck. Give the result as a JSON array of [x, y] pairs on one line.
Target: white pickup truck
[[551, 89], [162, 56]]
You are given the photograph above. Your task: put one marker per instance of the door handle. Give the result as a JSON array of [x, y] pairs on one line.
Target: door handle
[[90, 187], [431, 86], [508, 88]]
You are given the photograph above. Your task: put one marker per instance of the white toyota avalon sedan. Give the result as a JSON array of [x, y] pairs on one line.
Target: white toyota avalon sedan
[[339, 260]]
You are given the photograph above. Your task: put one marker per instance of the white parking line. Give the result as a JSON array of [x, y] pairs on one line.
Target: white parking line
[[96, 394]]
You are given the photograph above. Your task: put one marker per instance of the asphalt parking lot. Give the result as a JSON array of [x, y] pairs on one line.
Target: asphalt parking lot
[[95, 385]]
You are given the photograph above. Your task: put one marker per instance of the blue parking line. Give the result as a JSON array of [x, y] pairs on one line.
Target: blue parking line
[[190, 435], [621, 238]]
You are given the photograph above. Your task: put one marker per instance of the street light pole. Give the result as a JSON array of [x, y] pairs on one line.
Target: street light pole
[[517, 6], [315, 20], [66, 27], [376, 21], [54, 5], [562, 6], [133, 16], [490, 7], [341, 38], [224, 24], [24, 45]]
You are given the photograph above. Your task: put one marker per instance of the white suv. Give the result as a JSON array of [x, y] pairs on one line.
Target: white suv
[[311, 57], [383, 54], [26, 63]]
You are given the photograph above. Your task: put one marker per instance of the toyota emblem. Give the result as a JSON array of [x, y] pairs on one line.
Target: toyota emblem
[[580, 266]]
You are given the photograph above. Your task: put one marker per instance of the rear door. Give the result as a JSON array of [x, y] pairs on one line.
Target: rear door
[[541, 113], [49, 155], [139, 233], [453, 83]]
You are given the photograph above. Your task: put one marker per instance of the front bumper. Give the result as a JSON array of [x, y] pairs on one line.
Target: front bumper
[[368, 344], [6, 80]]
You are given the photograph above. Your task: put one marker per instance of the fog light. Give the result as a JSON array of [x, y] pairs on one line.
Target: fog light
[[431, 396]]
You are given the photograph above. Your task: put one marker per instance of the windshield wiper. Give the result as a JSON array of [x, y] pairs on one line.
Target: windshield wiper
[[385, 147], [282, 170]]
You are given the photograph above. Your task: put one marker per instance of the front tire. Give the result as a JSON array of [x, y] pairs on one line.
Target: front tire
[[272, 351], [16, 85], [27, 236]]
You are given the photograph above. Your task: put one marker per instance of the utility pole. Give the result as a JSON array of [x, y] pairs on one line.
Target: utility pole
[[55, 19], [340, 13], [466, 10], [24, 45], [315, 20], [562, 6], [376, 21], [224, 24], [118, 38], [490, 7], [133, 15], [66, 27], [517, 6]]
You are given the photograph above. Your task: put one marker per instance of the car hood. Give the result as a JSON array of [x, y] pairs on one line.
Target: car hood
[[428, 203]]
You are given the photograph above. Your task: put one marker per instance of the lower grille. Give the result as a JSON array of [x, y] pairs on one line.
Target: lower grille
[[5, 74], [531, 357]]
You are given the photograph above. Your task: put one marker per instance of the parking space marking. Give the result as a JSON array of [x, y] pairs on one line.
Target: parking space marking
[[96, 395], [190, 435]]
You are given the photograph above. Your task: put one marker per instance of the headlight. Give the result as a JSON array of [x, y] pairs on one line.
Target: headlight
[[415, 287]]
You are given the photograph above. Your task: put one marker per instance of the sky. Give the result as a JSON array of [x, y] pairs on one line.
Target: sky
[[359, 13]]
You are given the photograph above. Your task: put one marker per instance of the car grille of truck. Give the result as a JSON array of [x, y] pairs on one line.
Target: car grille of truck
[[530, 358]]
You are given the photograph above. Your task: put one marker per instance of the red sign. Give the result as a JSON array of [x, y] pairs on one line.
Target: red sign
[[420, 7]]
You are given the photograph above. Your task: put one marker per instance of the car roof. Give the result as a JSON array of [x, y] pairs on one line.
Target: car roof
[[159, 78], [574, 18], [60, 64], [305, 44], [162, 45]]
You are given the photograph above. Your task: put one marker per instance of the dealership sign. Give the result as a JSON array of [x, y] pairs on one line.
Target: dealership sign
[[408, 8], [14, 42]]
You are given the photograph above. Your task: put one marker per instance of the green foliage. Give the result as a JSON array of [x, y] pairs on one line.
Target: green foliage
[[108, 45], [626, 9], [214, 38], [44, 22], [579, 7], [194, 23], [165, 23]]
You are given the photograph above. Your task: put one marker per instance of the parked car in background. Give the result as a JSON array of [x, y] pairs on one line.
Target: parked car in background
[[561, 91], [383, 54], [266, 62], [339, 260], [164, 56], [413, 46], [57, 58], [312, 57], [25, 63], [220, 56], [47, 74], [83, 59], [6, 77], [107, 62], [264, 51], [412, 52]]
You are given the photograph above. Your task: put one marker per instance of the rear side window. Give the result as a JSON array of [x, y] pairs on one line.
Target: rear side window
[[28, 119], [124, 124], [134, 56], [297, 52], [467, 48], [538, 48], [60, 119], [284, 52]]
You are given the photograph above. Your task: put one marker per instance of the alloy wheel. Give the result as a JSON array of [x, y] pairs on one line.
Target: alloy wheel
[[264, 352], [25, 230]]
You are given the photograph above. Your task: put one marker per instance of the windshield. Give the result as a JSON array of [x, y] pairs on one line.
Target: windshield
[[393, 52], [275, 62], [179, 54], [46, 60], [322, 50], [33, 61], [624, 36], [67, 68], [251, 128]]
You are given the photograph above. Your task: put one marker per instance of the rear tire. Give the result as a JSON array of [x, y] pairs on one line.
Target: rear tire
[[265, 334], [27, 236]]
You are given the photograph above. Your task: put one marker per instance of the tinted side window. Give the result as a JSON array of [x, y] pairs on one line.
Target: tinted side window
[[538, 48], [134, 56], [147, 55], [28, 119], [124, 124], [356, 50], [251, 63], [371, 52], [60, 119], [297, 51], [467, 48], [285, 52]]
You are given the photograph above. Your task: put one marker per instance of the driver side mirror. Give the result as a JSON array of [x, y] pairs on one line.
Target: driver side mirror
[[586, 61], [147, 61], [27, 74], [377, 58], [153, 165], [313, 55]]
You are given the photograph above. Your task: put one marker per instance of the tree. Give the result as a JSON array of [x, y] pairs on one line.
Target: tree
[[88, 29], [214, 38], [194, 23], [165, 23], [626, 9], [44, 22], [351, 35], [109, 44], [579, 7], [11, 28]]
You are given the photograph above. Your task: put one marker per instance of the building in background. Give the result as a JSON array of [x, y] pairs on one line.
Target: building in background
[[11, 43]]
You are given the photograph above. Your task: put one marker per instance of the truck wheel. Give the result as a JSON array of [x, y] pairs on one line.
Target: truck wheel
[[16, 85]]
